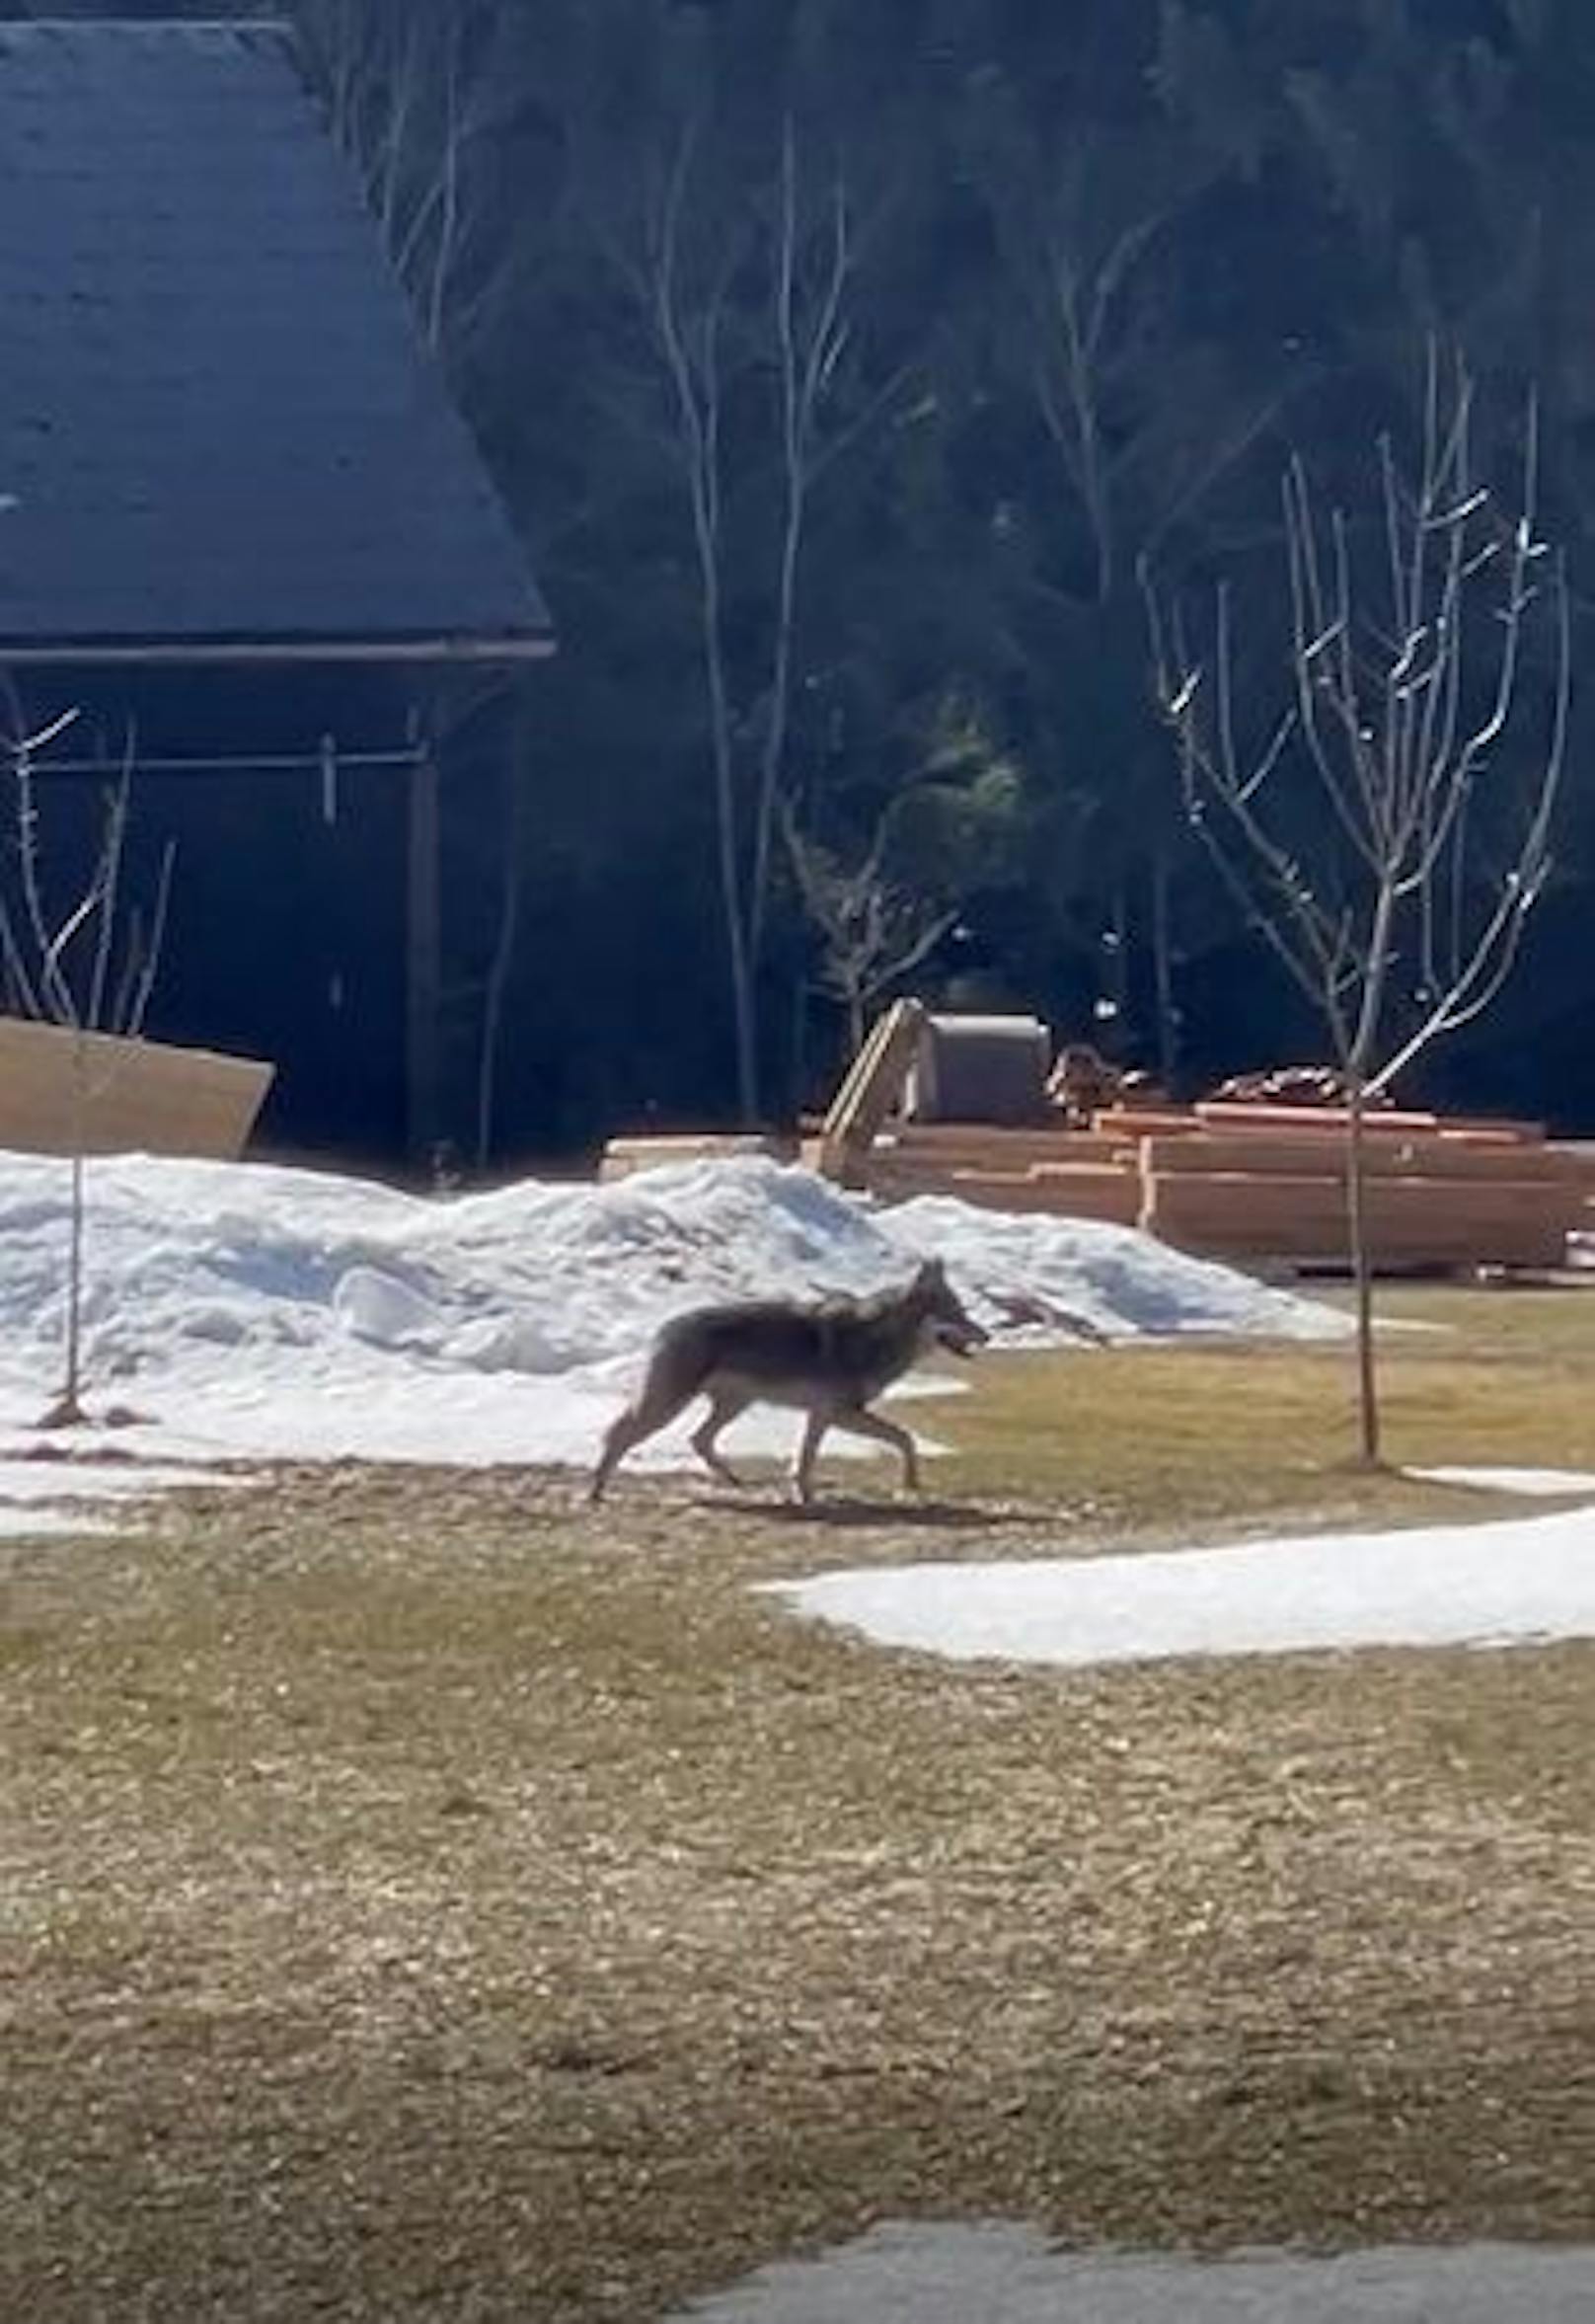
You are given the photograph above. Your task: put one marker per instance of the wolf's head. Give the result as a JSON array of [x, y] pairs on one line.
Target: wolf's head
[[947, 1322]]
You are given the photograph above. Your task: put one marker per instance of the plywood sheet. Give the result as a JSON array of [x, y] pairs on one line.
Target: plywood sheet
[[96, 1093]]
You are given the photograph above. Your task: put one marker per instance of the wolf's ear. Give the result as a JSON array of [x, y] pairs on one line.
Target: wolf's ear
[[932, 1271]]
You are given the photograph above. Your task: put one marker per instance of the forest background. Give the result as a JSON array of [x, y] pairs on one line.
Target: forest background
[[849, 369]]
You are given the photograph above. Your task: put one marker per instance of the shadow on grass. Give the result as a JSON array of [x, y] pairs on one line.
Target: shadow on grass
[[848, 1509]]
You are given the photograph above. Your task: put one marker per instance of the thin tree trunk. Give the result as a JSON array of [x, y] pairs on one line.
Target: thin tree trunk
[[1163, 979], [422, 957], [503, 957], [1361, 1273], [1119, 978], [67, 1410], [73, 1392], [798, 1069], [857, 1021]]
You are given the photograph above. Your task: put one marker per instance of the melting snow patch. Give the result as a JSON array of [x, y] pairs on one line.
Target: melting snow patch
[[948, 2274], [1493, 1585], [40, 1496], [1532, 1484]]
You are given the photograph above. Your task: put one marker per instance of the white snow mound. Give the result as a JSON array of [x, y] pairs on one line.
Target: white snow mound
[[284, 1313]]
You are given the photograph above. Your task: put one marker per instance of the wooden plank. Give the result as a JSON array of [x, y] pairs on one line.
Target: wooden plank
[[838, 1116], [1312, 1121], [1110, 1196], [1411, 1221], [951, 1142], [1392, 1197], [98, 1093], [1527, 1245], [1493, 1129], [1125, 1172], [870, 1089], [906, 1170], [1423, 1155], [1520, 1242], [1141, 1122]]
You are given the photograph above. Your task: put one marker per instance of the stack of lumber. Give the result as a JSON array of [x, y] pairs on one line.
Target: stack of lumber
[[1250, 1176], [1266, 1181], [1074, 1172]]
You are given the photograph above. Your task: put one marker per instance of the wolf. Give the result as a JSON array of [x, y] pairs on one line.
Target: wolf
[[830, 1361]]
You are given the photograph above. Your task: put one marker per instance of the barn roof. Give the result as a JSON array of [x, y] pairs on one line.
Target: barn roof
[[220, 431]]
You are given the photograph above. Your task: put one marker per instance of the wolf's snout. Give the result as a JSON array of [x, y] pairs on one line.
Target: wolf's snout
[[961, 1338]]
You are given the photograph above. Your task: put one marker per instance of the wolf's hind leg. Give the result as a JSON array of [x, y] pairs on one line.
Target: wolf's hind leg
[[625, 1430], [803, 1474], [723, 1408], [654, 1407]]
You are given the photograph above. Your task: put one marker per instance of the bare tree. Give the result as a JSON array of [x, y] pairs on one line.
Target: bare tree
[[89, 969], [871, 933], [687, 283], [1389, 832], [1091, 227], [410, 108]]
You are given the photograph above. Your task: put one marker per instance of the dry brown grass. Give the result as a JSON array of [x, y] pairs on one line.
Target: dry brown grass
[[422, 1897]]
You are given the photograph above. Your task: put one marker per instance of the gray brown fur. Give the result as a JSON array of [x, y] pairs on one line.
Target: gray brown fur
[[830, 1362]]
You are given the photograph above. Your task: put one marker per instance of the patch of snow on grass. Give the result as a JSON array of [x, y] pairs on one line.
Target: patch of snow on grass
[[1532, 1484], [1492, 1585], [935, 2272], [62, 1495]]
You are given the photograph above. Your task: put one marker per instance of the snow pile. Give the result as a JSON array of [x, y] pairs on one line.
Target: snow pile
[[1512, 1582], [269, 1312]]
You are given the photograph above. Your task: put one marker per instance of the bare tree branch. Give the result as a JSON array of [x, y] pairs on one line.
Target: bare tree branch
[[1412, 713]]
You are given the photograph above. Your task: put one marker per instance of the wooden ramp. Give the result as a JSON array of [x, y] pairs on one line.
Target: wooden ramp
[[97, 1093]]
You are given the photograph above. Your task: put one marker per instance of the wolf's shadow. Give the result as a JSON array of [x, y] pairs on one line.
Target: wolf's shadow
[[844, 1511]]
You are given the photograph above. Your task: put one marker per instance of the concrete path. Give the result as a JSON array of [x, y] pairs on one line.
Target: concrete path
[[1008, 2274]]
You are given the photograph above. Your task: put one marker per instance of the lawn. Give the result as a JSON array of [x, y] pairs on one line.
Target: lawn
[[427, 1898]]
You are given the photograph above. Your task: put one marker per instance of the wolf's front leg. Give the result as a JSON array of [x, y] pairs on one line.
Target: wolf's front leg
[[724, 1409], [861, 1421]]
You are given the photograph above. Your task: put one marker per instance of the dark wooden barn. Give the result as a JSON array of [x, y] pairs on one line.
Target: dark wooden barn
[[242, 523]]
